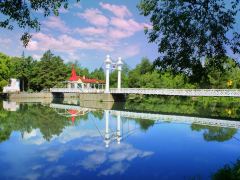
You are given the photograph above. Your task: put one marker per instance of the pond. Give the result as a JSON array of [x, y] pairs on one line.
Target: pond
[[65, 140]]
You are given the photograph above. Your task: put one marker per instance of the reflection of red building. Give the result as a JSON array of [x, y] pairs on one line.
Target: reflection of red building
[[74, 113], [76, 81]]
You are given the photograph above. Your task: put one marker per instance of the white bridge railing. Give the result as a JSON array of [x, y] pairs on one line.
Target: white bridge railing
[[171, 92], [179, 92], [75, 90]]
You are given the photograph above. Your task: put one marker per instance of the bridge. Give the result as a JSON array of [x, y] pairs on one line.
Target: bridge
[[148, 91]]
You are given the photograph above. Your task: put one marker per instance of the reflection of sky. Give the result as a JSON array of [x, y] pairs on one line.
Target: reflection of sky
[[165, 150]]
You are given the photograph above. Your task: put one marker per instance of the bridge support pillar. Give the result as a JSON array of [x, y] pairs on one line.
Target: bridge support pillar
[[108, 65], [119, 67]]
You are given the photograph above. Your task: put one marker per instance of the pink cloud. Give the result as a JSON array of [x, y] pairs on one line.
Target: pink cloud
[[95, 17], [91, 31], [119, 34], [64, 43], [128, 24], [119, 11], [56, 23]]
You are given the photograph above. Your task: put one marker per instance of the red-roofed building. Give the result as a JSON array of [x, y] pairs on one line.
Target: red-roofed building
[[76, 81]]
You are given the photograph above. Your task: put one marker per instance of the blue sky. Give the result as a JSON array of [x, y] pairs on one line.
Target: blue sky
[[86, 33]]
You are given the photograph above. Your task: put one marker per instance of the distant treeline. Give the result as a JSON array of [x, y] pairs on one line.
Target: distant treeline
[[52, 71]]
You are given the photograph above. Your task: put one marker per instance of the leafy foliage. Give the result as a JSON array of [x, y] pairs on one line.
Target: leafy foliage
[[21, 13], [230, 172], [187, 31], [48, 72], [4, 70]]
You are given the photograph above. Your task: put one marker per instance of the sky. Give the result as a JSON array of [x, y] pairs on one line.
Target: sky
[[86, 32]]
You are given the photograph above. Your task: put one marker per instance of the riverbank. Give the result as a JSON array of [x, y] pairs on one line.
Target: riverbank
[[83, 97]]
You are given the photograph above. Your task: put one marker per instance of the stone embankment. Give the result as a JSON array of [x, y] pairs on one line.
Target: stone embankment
[[48, 96]]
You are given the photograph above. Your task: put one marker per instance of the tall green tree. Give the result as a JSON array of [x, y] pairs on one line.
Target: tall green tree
[[188, 31], [135, 75], [22, 69], [124, 77], [5, 66], [98, 74], [50, 71]]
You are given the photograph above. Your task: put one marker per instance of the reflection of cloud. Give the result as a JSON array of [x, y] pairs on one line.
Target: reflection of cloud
[[55, 171], [32, 176], [115, 168], [89, 147], [94, 160], [38, 166], [119, 154], [54, 154], [33, 137], [74, 132]]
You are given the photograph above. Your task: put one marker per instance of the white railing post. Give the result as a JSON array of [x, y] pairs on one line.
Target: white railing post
[[108, 63], [119, 68]]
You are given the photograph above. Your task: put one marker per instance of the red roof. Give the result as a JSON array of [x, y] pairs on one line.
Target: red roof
[[74, 77]]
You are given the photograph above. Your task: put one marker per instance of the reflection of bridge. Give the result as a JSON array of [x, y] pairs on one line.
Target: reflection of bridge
[[162, 117], [110, 135]]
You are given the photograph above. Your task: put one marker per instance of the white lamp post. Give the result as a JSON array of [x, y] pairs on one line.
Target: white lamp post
[[119, 68], [108, 63]]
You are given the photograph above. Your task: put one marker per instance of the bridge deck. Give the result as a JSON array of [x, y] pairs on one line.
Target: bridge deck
[[171, 92]]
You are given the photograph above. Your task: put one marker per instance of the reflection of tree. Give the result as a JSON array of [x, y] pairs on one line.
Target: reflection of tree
[[213, 133], [200, 106], [98, 114], [228, 172], [144, 123], [32, 117]]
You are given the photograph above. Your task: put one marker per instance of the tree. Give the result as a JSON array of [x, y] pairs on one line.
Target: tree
[[21, 13], [50, 71], [98, 74], [134, 75], [124, 77], [4, 70], [226, 76], [22, 69], [188, 31]]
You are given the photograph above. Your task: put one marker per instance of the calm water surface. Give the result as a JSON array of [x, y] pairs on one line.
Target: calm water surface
[[49, 142]]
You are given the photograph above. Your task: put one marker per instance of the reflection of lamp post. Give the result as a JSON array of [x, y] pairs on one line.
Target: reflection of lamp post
[[108, 65], [118, 128], [107, 137], [119, 68]]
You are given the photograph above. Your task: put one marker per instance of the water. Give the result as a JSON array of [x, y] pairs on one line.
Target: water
[[44, 141]]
